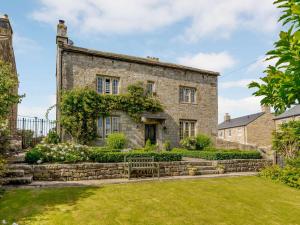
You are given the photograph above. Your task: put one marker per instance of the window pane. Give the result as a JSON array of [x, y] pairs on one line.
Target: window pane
[[186, 129], [187, 93], [115, 86], [99, 85], [181, 130], [107, 126], [192, 129], [150, 87], [107, 86], [100, 127], [193, 95], [115, 124], [181, 91]]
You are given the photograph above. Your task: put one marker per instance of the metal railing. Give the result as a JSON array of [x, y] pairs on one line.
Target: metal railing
[[31, 129]]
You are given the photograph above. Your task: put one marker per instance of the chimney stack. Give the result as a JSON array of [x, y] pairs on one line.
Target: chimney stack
[[62, 35], [226, 117], [265, 108]]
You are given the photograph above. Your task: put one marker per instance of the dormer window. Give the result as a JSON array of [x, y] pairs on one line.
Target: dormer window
[[107, 85]]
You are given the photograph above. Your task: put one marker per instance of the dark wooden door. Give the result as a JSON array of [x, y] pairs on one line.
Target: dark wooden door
[[150, 133]]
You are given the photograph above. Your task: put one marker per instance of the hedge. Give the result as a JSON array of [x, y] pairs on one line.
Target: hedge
[[107, 157], [219, 155]]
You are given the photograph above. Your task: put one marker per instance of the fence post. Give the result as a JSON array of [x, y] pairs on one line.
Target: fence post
[[23, 133], [35, 126]]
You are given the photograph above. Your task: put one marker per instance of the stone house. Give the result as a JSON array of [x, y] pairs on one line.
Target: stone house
[[188, 95], [255, 129], [289, 115], [7, 55]]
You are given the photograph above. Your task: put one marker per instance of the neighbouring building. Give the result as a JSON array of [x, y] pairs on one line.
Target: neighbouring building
[[189, 95], [289, 115], [255, 129], [7, 55]]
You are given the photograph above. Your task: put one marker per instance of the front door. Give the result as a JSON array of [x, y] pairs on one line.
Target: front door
[[150, 133]]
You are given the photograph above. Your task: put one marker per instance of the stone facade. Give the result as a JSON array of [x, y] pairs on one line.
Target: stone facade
[[289, 115], [7, 55], [95, 171], [78, 67], [257, 132]]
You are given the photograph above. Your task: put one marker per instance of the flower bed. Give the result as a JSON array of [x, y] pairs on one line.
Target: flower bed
[[219, 154], [70, 153]]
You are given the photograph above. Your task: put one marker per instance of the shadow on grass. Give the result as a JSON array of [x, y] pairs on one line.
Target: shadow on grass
[[25, 204]]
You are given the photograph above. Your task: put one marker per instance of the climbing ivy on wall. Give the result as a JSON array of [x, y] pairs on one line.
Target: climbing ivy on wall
[[80, 109]]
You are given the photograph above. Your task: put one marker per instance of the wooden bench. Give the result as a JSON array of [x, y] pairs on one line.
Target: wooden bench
[[141, 164]]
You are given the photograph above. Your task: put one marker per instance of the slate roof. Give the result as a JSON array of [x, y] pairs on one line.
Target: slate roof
[[295, 111], [134, 59], [240, 121]]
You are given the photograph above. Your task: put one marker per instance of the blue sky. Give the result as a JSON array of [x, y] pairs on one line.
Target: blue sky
[[229, 36]]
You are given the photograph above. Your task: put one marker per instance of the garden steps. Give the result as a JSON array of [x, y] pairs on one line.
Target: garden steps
[[17, 180], [17, 158], [207, 172], [14, 173]]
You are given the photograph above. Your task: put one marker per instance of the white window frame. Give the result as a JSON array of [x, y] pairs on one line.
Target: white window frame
[[102, 125], [111, 89], [187, 94], [229, 132], [151, 90], [187, 128]]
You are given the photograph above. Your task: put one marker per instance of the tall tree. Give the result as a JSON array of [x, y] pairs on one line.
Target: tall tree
[[280, 87]]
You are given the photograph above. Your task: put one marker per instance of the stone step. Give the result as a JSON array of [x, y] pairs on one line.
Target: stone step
[[14, 173], [18, 158], [17, 180], [207, 172]]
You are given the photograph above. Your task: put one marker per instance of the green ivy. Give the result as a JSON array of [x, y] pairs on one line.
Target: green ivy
[[80, 109]]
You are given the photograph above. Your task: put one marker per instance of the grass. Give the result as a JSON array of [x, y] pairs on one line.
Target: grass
[[243, 200]]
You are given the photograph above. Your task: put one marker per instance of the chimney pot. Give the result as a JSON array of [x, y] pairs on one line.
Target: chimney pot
[[226, 117], [265, 108]]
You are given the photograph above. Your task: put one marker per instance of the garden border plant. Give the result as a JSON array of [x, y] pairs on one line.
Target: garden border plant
[[80, 109]]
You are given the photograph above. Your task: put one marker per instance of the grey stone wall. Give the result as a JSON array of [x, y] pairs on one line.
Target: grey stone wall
[[77, 69], [243, 165], [94, 171]]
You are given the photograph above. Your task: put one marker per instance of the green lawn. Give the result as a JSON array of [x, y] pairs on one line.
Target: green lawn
[[243, 200]]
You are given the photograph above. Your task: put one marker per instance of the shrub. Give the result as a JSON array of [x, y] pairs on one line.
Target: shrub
[[219, 154], [4, 138], [288, 175], [52, 138], [294, 162], [188, 143], [116, 141], [286, 141], [109, 157], [34, 155], [167, 146], [202, 142], [64, 152], [149, 147]]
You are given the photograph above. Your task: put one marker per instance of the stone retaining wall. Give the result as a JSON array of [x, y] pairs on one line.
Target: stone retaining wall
[[93, 171], [243, 165]]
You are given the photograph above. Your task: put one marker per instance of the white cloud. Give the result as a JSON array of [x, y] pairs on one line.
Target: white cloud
[[24, 45], [260, 65], [213, 18], [210, 61], [237, 83], [238, 107]]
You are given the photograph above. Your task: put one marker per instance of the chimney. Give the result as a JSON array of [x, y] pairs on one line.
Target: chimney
[[265, 108], [226, 117], [62, 35], [5, 27]]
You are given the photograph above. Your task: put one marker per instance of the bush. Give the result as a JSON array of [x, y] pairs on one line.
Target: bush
[[202, 142], [294, 162], [52, 138], [288, 175], [4, 138], [116, 141], [64, 152], [110, 157], [35, 155], [167, 146], [219, 154], [149, 147], [188, 143]]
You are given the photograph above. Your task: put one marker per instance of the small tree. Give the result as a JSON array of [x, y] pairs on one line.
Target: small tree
[[8, 97], [286, 141]]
